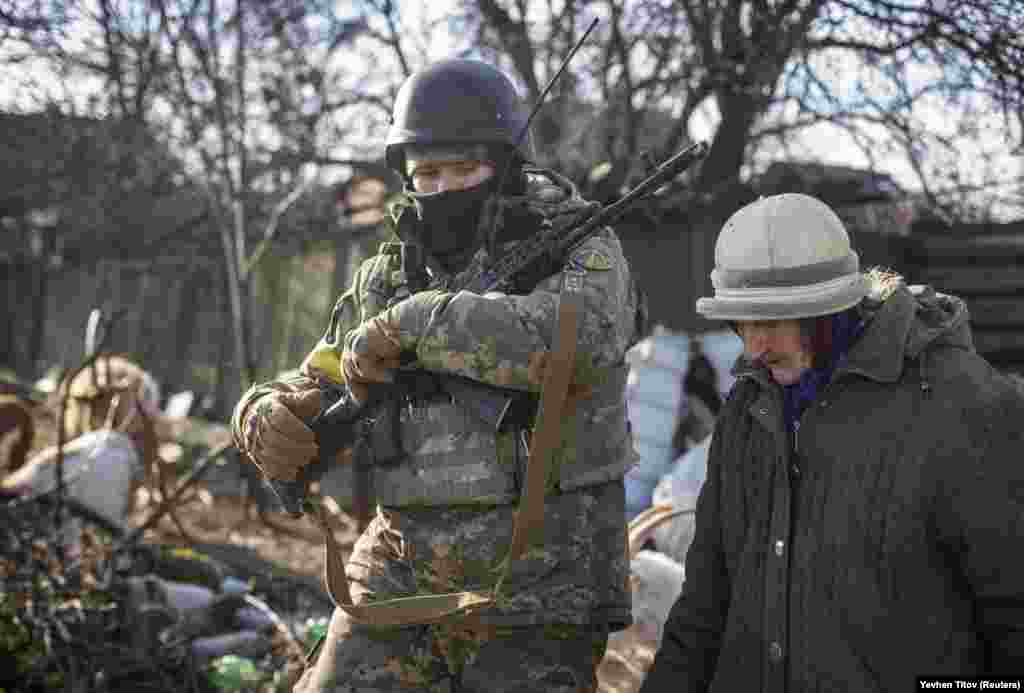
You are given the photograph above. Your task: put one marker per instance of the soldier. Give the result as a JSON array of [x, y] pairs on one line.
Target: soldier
[[446, 509]]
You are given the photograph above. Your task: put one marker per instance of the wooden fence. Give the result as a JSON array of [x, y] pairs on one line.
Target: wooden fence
[[984, 265]]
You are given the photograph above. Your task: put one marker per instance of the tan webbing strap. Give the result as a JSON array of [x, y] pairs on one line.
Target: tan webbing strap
[[403, 611], [547, 435], [529, 519]]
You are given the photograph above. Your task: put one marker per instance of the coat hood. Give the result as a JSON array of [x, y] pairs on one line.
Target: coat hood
[[938, 319], [901, 322]]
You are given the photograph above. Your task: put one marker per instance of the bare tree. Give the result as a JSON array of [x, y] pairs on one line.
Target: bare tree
[[766, 71], [251, 88], [244, 93]]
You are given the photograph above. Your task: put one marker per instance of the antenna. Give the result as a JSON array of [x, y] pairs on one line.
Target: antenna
[[529, 119]]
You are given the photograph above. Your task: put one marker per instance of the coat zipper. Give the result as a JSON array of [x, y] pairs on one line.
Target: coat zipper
[[794, 466]]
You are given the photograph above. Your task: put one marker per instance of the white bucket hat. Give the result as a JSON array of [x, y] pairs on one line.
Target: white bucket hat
[[783, 257]]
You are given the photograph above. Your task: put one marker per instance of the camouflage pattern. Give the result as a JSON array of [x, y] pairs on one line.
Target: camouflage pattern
[[547, 633], [490, 339], [445, 658], [447, 511], [576, 576]]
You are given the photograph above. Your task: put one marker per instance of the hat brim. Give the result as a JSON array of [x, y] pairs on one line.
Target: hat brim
[[785, 303]]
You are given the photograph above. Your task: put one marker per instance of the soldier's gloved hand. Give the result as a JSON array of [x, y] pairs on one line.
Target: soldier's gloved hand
[[371, 357], [537, 371], [277, 434]]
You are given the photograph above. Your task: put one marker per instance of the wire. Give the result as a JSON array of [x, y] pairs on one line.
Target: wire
[[496, 217]]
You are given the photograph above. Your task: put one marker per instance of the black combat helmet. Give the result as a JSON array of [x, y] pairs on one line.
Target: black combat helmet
[[457, 102]]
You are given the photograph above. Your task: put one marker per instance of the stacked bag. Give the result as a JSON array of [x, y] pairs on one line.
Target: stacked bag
[[662, 488]]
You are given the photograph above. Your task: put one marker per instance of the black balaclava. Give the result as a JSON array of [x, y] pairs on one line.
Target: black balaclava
[[448, 222]]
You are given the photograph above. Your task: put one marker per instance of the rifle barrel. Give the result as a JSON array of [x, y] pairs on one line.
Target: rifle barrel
[[665, 172]]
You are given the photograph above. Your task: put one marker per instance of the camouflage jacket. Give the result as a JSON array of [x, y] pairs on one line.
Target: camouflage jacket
[[489, 339], [456, 487]]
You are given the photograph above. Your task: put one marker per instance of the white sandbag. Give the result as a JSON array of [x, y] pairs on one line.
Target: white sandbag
[[654, 402], [722, 347], [657, 581], [179, 404], [679, 489], [100, 471]]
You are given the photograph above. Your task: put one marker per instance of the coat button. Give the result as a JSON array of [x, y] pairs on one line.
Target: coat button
[[824, 404], [780, 547], [775, 652], [764, 411]]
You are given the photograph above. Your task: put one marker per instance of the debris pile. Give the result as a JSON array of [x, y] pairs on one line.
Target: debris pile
[[108, 613], [87, 600]]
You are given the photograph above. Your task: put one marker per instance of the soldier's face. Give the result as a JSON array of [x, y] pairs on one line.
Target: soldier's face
[[440, 175], [779, 345]]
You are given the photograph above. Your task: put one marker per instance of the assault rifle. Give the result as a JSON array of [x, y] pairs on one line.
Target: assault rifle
[[553, 243], [347, 422]]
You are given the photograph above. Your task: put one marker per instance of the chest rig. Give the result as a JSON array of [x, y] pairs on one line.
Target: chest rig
[[424, 401]]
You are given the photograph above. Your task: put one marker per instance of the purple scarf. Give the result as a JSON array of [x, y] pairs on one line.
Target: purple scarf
[[845, 328]]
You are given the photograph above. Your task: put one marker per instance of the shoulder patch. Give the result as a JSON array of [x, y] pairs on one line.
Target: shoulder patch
[[590, 259]]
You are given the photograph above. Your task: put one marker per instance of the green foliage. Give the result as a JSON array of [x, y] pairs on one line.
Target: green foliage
[[234, 673], [16, 641]]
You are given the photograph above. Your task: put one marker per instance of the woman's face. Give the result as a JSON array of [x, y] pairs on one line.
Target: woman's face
[[779, 345]]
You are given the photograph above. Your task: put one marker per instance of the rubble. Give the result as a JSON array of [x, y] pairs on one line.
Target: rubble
[[89, 600]]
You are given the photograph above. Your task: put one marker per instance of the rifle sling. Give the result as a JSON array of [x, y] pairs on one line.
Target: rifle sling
[[547, 435], [529, 519]]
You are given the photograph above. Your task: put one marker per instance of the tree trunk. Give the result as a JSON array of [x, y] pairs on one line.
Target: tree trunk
[[726, 157], [238, 303], [224, 399]]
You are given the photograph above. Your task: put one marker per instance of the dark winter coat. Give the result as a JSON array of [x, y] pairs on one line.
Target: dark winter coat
[[883, 542]]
